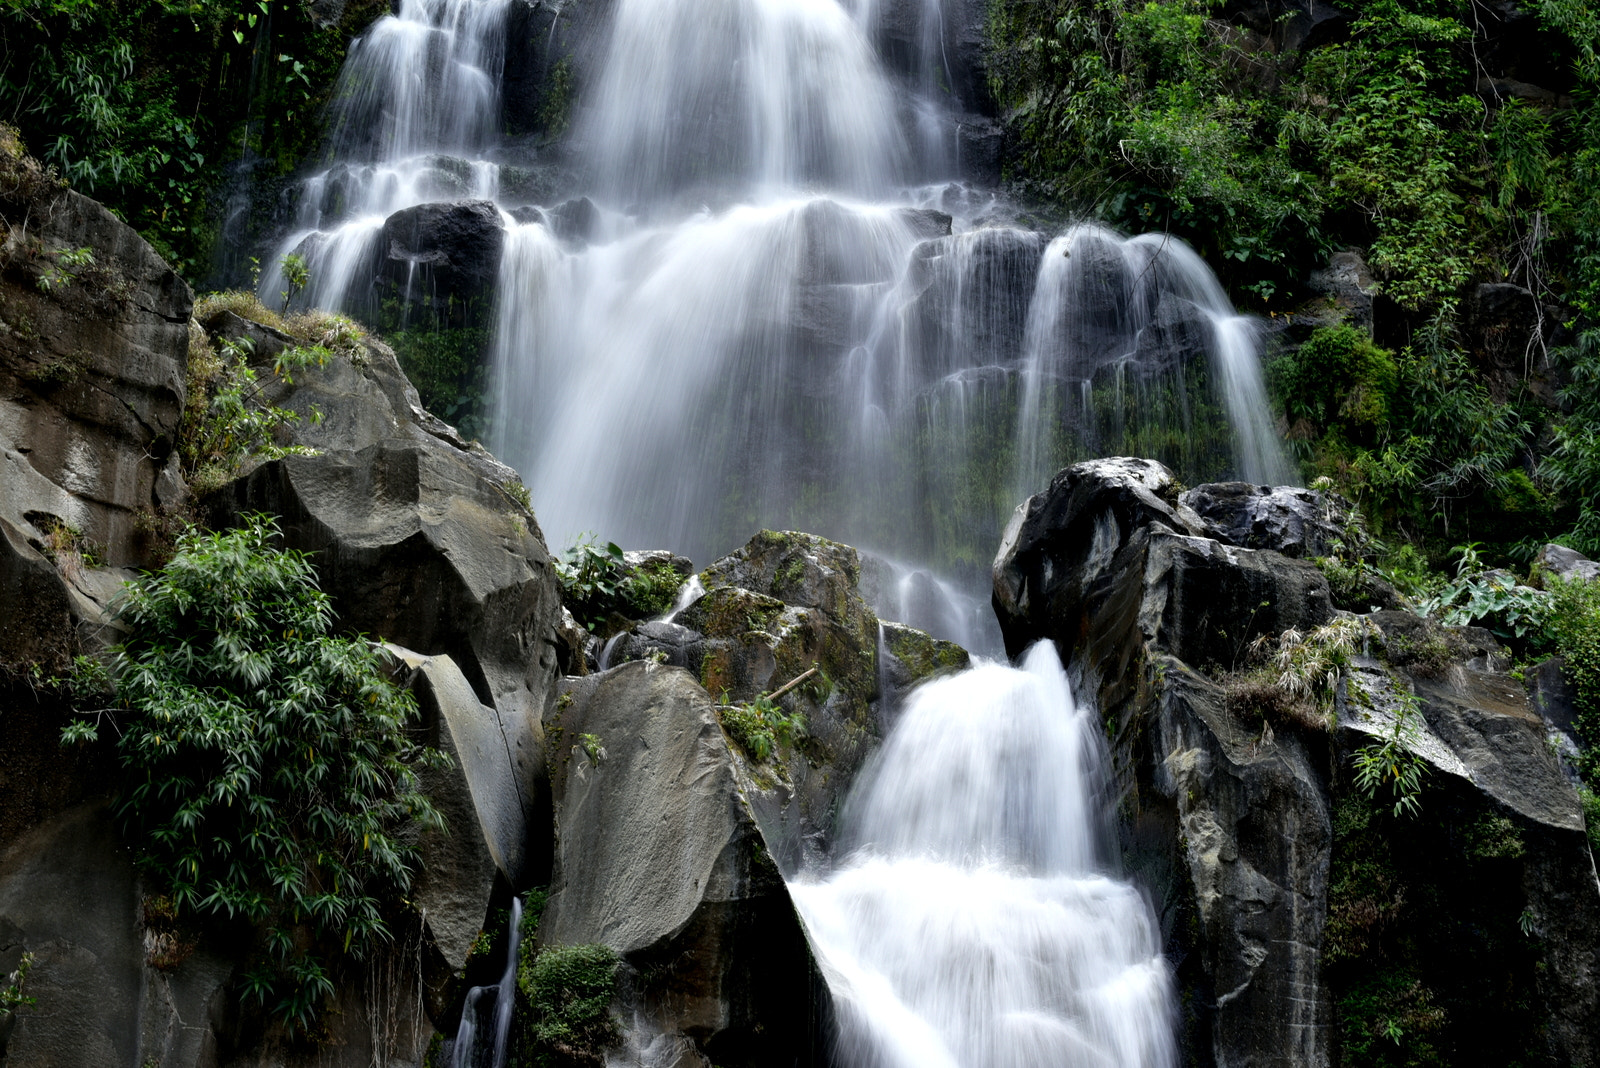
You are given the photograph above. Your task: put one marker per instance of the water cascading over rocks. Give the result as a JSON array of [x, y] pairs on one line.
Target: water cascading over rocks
[[973, 923], [750, 286]]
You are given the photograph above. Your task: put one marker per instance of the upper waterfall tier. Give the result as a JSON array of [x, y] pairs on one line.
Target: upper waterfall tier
[[741, 94], [720, 301]]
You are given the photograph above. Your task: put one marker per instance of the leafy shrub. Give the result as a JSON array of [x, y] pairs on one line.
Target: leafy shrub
[[759, 727], [569, 991], [1490, 598], [1391, 763], [226, 421], [267, 762], [1339, 378], [591, 577]]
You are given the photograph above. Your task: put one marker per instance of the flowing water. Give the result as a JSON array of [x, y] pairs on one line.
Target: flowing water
[[482, 1040], [972, 923], [782, 309], [782, 306]]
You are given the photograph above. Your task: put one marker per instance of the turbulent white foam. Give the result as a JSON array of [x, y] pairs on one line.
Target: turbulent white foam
[[971, 925]]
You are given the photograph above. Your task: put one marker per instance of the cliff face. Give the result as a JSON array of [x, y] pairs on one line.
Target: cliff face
[[1303, 917]]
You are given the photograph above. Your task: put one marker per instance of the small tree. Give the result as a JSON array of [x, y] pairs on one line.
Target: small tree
[[267, 761]]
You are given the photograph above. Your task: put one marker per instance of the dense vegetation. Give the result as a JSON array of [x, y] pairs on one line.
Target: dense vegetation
[[162, 108], [267, 764]]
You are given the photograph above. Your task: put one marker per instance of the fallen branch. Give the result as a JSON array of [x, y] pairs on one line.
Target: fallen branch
[[792, 683]]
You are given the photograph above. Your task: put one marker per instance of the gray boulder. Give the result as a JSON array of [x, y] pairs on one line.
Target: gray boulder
[[93, 361], [421, 540], [1246, 829], [1296, 522], [1568, 564], [659, 856]]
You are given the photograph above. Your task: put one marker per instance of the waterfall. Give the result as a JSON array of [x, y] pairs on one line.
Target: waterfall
[[477, 1045], [784, 307], [972, 921]]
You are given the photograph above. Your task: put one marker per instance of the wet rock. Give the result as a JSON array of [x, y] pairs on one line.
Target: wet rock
[[1228, 816], [1347, 289], [983, 280], [912, 657], [1296, 522], [660, 858], [575, 220], [443, 252], [477, 796]]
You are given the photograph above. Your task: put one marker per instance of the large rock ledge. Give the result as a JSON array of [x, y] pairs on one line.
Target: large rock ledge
[[1266, 865]]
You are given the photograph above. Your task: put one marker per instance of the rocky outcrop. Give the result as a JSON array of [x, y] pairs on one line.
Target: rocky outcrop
[[660, 857], [1279, 884], [93, 360], [421, 539], [443, 255]]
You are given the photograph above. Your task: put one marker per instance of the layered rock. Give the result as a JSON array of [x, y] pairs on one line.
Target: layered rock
[[1247, 829]]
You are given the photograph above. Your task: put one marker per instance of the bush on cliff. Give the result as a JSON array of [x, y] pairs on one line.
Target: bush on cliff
[[267, 761]]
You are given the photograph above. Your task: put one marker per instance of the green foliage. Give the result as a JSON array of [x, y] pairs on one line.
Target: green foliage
[[1573, 465], [761, 726], [1339, 379], [228, 423], [446, 364], [1388, 1021], [1572, 631], [142, 104], [593, 748], [591, 577], [569, 991], [11, 995], [267, 765], [1391, 763], [296, 276], [1163, 114], [1492, 599], [69, 262]]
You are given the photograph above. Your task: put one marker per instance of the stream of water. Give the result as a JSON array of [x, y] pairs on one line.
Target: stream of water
[[973, 922], [784, 307]]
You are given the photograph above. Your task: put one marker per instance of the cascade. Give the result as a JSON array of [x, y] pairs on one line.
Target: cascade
[[482, 1039], [971, 921], [783, 306]]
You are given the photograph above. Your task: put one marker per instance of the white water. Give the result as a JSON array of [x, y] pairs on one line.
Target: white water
[[973, 923], [767, 328], [477, 1046]]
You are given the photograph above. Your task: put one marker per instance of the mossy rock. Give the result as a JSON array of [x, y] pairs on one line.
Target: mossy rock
[[923, 655], [731, 612]]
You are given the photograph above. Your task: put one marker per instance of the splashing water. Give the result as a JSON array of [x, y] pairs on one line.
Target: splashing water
[[972, 924], [785, 313]]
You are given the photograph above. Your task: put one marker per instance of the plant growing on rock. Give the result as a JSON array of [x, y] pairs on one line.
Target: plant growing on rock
[[569, 991], [759, 727], [1492, 598], [590, 577], [1298, 675], [232, 424], [1392, 762], [268, 767]]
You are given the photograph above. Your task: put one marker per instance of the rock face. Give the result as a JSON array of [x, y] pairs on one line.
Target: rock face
[[420, 539], [93, 360], [443, 253], [1265, 862], [659, 856], [782, 605], [1295, 522]]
